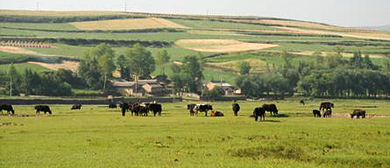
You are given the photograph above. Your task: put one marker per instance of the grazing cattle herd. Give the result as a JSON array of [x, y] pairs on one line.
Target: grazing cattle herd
[[142, 109]]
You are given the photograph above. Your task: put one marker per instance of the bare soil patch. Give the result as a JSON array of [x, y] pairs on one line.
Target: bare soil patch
[[71, 65], [221, 46], [16, 50]]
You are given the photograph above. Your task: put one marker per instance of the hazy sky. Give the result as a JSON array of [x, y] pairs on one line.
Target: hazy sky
[[340, 12]]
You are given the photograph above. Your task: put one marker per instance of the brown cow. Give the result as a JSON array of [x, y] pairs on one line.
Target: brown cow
[[358, 113]]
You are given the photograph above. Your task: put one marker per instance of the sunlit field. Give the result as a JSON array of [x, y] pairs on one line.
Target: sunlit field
[[97, 136]]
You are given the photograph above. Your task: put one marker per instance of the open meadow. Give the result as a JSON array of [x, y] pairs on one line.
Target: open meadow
[[97, 136]]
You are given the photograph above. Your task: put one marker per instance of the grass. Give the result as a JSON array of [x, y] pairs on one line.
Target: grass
[[40, 26], [207, 24], [22, 66], [99, 137]]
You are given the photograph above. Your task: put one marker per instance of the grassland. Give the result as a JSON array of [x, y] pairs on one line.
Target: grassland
[[22, 66], [99, 137]]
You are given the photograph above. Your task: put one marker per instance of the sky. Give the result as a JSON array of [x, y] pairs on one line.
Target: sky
[[352, 13]]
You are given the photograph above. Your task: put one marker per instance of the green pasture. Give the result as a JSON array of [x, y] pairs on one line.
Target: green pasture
[[99, 137], [20, 67], [40, 26]]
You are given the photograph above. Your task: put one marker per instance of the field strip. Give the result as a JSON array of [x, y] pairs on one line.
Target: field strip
[[258, 66], [16, 50], [71, 65], [221, 46], [127, 24], [347, 55], [361, 35]]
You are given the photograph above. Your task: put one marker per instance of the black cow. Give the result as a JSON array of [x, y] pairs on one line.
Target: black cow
[[236, 108], [259, 112], [124, 107], [44, 108], [155, 108], [326, 106], [328, 113], [317, 113], [202, 108], [358, 113], [112, 105], [143, 110], [8, 108], [271, 108], [191, 108], [76, 106], [302, 102]]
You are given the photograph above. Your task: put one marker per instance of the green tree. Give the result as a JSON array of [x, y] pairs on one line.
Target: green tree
[[13, 77], [124, 68], [141, 61], [162, 58], [244, 67], [193, 75]]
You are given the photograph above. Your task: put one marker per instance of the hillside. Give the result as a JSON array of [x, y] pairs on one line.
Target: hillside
[[224, 40]]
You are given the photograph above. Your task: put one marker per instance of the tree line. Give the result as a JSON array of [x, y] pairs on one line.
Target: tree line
[[332, 76]]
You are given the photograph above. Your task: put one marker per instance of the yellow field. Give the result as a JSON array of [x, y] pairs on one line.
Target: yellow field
[[126, 24], [58, 13], [221, 46], [71, 65], [258, 66]]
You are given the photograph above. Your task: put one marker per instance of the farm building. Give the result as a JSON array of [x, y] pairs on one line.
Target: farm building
[[142, 87], [228, 88]]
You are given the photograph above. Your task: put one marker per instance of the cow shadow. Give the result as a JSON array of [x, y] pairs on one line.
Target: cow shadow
[[279, 116], [272, 121]]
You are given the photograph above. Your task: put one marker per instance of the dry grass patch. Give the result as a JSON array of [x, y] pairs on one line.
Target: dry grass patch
[[310, 25], [258, 66], [126, 24], [16, 50], [221, 46], [71, 65]]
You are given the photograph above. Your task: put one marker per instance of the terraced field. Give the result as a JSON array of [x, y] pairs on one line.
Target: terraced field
[[243, 38]]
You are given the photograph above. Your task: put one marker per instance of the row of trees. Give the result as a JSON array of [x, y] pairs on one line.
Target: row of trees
[[331, 76]]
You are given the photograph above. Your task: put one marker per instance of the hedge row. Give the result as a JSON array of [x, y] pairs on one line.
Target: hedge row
[[43, 19]]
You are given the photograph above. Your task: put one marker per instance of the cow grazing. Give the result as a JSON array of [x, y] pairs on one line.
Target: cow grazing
[[302, 102], [259, 112], [271, 108], [327, 113], [191, 108], [358, 113], [216, 113], [112, 105], [202, 108], [326, 106], [155, 108], [317, 113], [44, 108], [76, 106], [8, 108], [236, 108]]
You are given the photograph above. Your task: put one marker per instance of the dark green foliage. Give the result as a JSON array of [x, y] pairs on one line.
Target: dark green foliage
[[213, 94], [93, 42], [245, 68], [141, 62], [124, 68], [192, 73]]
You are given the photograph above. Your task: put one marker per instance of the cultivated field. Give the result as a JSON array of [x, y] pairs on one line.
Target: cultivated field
[[221, 46], [99, 137], [71, 65], [126, 24], [259, 66]]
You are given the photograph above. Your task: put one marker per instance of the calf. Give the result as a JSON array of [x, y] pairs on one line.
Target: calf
[[216, 113], [358, 113], [124, 107], [317, 113], [44, 108], [302, 102], [76, 106], [259, 112], [236, 108], [8, 108], [327, 113], [112, 105]]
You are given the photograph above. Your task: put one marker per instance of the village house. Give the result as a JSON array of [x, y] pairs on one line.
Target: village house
[[228, 88], [142, 87]]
